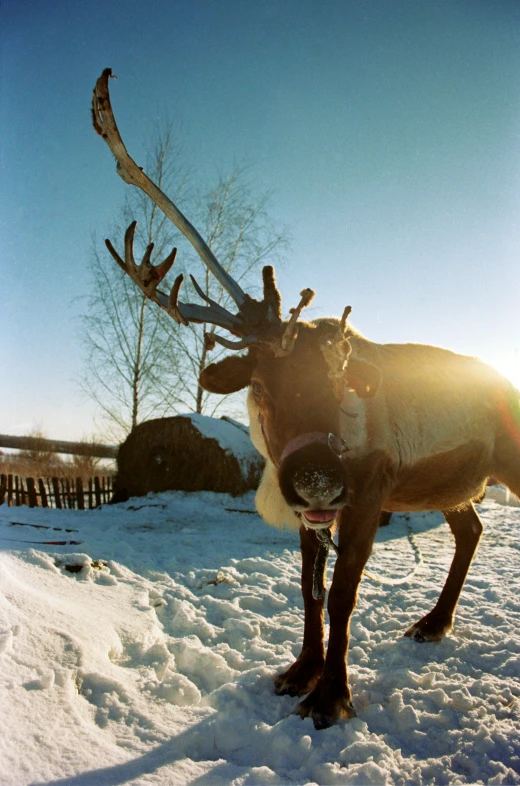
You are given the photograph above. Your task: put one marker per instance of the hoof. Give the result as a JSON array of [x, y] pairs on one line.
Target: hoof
[[325, 710], [299, 679], [428, 630], [418, 635]]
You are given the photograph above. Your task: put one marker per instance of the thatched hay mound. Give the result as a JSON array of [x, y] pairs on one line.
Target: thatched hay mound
[[187, 452]]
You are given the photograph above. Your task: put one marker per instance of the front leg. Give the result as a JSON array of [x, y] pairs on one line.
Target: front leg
[[304, 673], [330, 699]]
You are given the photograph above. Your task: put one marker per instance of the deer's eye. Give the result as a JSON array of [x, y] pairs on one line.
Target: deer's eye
[[258, 390]]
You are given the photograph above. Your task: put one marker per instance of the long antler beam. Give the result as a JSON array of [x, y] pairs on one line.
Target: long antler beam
[[257, 321], [105, 125]]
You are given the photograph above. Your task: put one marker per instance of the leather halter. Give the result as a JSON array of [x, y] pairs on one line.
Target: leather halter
[[336, 444]]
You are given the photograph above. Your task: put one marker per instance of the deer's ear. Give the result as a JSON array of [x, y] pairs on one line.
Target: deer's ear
[[228, 375], [363, 377]]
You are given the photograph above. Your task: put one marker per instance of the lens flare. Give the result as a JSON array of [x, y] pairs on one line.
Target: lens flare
[[508, 404]]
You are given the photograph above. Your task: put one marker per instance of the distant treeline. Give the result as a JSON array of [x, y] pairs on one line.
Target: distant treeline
[[40, 457]]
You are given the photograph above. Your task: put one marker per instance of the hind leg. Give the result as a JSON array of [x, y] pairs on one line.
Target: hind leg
[[467, 529]]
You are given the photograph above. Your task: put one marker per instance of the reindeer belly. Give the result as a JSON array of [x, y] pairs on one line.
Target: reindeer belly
[[441, 481]]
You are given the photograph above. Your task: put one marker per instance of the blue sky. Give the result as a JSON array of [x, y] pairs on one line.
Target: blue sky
[[389, 131]]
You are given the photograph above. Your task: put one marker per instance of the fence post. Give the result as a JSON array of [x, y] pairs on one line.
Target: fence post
[[31, 492], [61, 493], [57, 493], [23, 493], [50, 492], [67, 496], [97, 491], [80, 499], [43, 493]]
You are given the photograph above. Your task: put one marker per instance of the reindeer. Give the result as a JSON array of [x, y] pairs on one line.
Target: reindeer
[[348, 428]]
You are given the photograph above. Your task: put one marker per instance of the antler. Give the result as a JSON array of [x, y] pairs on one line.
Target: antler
[[336, 351], [291, 331], [255, 321], [148, 276]]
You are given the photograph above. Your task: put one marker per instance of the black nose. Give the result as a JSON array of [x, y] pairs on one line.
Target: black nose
[[313, 477]]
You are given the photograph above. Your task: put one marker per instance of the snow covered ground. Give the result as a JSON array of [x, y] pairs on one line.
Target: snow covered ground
[[146, 653]]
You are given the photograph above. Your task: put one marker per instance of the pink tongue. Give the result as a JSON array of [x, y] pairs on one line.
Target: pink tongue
[[320, 515]]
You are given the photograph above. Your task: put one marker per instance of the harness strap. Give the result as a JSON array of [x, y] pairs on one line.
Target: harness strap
[[266, 440], [302, 440]]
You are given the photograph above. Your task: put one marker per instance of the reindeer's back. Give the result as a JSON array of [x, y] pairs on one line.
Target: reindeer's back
[[431, 400]]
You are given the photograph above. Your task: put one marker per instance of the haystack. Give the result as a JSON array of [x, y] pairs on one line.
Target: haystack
[[189, 453]]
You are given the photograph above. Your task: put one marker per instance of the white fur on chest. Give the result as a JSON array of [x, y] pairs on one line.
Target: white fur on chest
[[269, 500]]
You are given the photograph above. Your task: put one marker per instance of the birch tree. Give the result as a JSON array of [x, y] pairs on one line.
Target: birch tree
[[139, 363]]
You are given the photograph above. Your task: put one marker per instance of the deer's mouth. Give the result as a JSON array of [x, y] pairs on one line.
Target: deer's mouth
[[319, 518]]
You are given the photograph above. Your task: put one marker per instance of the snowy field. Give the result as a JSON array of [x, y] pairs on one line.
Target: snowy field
[[146, 653]]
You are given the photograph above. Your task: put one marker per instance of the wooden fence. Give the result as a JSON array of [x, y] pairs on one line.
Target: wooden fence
[[55, 492]]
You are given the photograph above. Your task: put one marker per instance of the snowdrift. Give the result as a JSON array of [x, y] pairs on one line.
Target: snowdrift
[[145, 653]]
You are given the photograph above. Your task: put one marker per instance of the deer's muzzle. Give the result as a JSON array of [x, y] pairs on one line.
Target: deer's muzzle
[[312, 477]]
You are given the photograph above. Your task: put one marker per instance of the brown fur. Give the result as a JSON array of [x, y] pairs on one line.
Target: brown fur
[[425, 429]]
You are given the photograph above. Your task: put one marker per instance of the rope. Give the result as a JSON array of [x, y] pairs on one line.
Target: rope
[[320, 562], [418, 562], [326, 543]]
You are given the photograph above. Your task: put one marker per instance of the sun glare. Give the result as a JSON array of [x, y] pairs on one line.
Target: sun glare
[[508, 364]]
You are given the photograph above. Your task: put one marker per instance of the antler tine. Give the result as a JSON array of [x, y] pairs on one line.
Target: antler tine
[[336, 351], [145, 275], [191, 312], [148, 276], [116, 256], [164, 267], [346, 314], [291, 331], [272, 296], [173, 306], [129, 251], [105, 125], [210, 339], [213, 303]]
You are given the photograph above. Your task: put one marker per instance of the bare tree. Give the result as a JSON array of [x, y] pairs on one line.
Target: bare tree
[[37, 461], [125, 345], [138, 363], [239, 231]]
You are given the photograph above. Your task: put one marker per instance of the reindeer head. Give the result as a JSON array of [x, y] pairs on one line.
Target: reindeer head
[[295, 409], [297, 373]]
